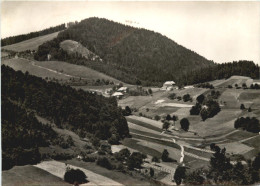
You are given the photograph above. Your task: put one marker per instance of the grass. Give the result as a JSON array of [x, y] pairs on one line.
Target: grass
[[26, 65], [30, 175], [112, 174], [76, 70], [254, 142], [240, 135], [198, 153], [162, 142], [148, 133], [31, 44], [132, 143], [143, 124]]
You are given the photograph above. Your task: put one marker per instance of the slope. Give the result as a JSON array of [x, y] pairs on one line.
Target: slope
[[129, 54], [30, 44]]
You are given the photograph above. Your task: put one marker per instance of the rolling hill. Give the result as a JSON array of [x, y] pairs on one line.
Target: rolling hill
[[31, 44], [129, 54]]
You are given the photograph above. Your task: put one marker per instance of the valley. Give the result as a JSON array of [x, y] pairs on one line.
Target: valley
[[122, 131]]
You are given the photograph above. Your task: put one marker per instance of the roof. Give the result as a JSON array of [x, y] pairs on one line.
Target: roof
[[169, 83], [122, 89], [117, 94]]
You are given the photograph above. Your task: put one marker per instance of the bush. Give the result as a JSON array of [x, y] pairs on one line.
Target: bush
[[157, 118], [186, 98], [104, 162], [172, 96], [242, 107], [73, 176]]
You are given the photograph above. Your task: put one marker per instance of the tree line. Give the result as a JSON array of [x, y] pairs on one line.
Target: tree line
[[16, 39], [77, 110]]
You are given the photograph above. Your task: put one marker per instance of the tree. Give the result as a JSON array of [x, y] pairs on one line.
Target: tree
[[185, 124], [244, 85], [135, 160], [155, 159], [186, 98], [249, 109], [200, 98], [165, 155], [166, 125], [242, 107], [168, 117], [195, 110], [151, 172], [75, 176], [174, 118], [104, 162], [172, 96], [179, 174], [150, 91], [157, 118], [127, 111]]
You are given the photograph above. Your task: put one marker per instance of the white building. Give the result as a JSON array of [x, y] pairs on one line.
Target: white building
[[118, 94], [169, 85]]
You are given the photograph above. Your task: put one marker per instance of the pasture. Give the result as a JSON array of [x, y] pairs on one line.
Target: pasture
[[30, 175], [31, 44]]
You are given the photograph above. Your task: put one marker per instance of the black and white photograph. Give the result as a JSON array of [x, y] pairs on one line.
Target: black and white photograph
[[130, 93]]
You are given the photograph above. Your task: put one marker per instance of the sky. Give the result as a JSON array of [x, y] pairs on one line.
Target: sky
[[220, 31]]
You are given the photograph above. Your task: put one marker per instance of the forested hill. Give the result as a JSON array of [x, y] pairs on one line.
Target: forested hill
[[16, 39], [128, 53], [77, 110]]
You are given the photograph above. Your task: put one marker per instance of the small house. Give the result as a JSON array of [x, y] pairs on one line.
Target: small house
[[118, 95], [169, 85], [123, 89]]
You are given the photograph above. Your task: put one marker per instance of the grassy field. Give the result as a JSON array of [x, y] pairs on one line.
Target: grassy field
[[30, 175], [76, 70], [31, 44], [26, 65], [114, 175]]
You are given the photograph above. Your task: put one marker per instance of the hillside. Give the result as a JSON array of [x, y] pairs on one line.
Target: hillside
[[128, 53], [31, 44], [82, 112], [19, 38]]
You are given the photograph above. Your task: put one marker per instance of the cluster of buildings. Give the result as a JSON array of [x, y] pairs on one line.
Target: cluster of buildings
[[119, 93]]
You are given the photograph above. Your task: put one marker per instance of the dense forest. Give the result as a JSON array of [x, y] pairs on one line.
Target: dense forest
[[220, 71], [79, 111], [22, 134], [140, 56], [16, 39], [128, 53]]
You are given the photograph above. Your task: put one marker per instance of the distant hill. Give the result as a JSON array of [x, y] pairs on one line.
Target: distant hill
[[130, 54], [16, 39]]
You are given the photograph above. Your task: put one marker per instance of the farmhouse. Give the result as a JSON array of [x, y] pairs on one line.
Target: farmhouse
[[123, 89], [169, 85], [118, 95]]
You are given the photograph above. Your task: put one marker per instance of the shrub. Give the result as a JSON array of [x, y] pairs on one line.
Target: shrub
[[186, 98], [104, 162], [73, 176], [157, 118], [172, 96]]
